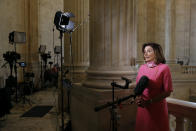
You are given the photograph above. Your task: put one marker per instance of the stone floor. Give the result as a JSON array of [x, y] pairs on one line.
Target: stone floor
[[49, 122]]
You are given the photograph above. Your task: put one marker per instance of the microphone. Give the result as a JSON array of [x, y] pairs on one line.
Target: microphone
[[141, 85]]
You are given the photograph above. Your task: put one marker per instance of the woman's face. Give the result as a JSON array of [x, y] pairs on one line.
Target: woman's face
[[149, 54]]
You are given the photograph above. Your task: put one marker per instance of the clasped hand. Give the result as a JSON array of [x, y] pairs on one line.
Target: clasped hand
[[141, 102]]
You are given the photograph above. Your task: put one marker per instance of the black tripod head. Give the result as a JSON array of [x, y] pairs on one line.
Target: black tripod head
[[11, 57]]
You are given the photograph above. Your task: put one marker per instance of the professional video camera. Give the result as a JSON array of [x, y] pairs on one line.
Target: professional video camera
[[11, 56]]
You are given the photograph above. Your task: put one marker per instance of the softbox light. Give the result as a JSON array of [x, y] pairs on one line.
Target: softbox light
[[62, 21], [57, 49], [17, 37]]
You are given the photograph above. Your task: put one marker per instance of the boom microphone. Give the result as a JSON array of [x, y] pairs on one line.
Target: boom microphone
[[141, 85]]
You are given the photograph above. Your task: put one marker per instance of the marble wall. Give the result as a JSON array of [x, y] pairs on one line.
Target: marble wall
[[36, 19], [12, 19], [153, 25], [192, 32], [47, 33]]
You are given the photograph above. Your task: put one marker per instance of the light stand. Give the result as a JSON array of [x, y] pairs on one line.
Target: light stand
[[57, 57], [42, 50], [70, 50], [61, 84], [57, 51], [41, 74], [63, 24], [25, 84], [68, 84], [16, 77]]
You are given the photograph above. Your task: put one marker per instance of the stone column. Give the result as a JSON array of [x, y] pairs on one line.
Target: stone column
[[112, 45], [169, 32], [170, 42], [142, 13], [111, 37], [32, 39], [187, 32], [80, 39]]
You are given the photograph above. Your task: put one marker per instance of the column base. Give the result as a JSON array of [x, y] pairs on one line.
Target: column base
[[78, 73], [103, 79]]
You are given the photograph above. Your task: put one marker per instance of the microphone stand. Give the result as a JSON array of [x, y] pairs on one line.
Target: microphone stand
[[114, 115], [141, 85]]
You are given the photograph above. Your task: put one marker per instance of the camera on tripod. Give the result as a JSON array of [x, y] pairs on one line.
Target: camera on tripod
[[11, 56], [45, 56]]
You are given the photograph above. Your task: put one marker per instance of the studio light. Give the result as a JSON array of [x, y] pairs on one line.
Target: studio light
[[17, 37], [62, 21], [57, 49]]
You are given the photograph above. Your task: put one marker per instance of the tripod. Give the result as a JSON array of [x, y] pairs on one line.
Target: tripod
[[26, 88], [11, 81], [41, 75]]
